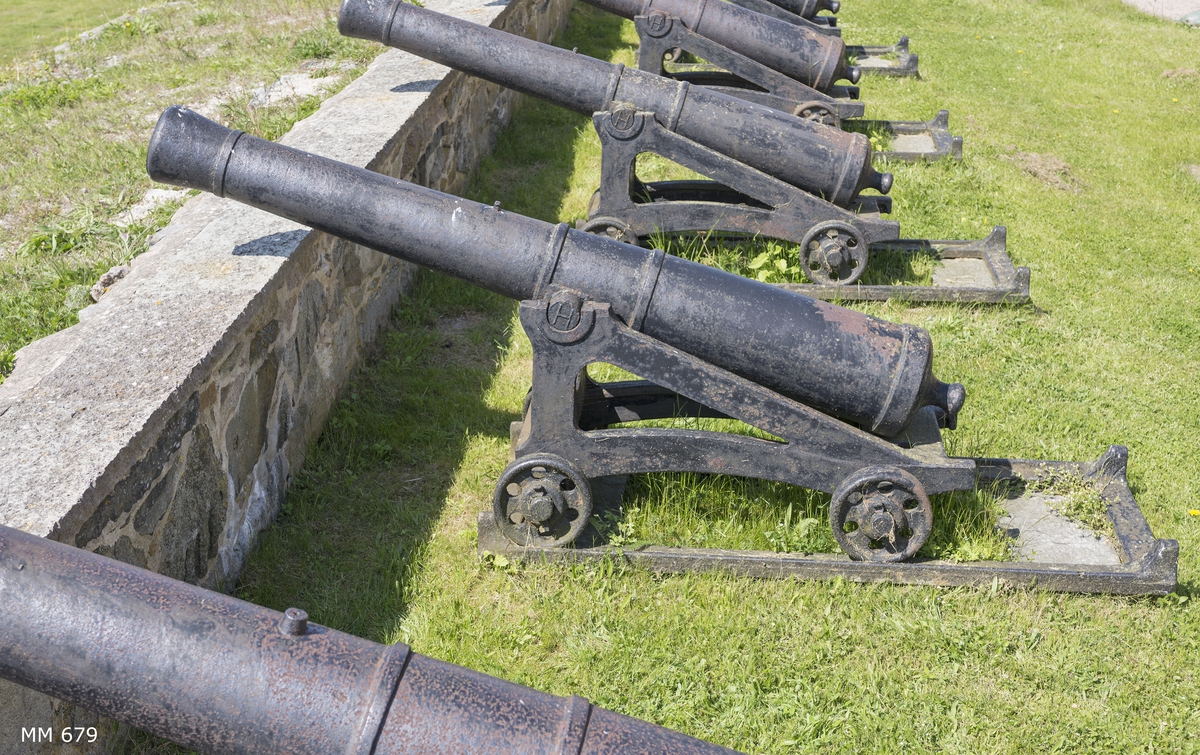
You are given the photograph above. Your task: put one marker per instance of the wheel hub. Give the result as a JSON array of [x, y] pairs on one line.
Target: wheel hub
[[831, 254], [834, 253], [540, 504], [541, 501], [881, 514]]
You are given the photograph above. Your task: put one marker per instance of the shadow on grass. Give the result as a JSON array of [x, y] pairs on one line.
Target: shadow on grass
[[359, 516], [360, 513], [533, 166]]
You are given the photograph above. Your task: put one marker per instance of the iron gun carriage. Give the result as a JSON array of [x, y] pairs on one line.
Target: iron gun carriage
[[840, 386], [849, 401], [770, 174]]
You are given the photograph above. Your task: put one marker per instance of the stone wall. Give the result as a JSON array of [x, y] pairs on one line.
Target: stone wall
[[163, 430]]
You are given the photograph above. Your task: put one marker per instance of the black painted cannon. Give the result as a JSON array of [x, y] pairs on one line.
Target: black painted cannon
[[814, 59], [772, 174], [220, 675], [758, 51], [843, 389], [822, 161]]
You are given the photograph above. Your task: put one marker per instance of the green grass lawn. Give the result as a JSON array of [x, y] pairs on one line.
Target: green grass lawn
[[26, 24], [73, 134], [1079, 141]]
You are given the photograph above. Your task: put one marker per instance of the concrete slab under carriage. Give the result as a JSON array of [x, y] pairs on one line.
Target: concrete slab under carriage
[[1041, 534]]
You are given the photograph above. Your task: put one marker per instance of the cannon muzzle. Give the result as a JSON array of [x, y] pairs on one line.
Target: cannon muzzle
[[814, 59], [220, 675], [858, 368], [821, 160]]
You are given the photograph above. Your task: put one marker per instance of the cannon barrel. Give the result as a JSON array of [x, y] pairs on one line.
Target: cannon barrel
[[814, 59], [810, 156], [221, 675], [865, 370]]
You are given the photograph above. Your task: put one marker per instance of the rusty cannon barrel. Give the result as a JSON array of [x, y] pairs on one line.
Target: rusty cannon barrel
[[818, 159], [221, 675], [806, 55], [862, 369]]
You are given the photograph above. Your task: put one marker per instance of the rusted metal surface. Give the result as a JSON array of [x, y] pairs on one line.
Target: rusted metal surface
[[1149, 566], [797, 51], [220, 675], [843, 363]]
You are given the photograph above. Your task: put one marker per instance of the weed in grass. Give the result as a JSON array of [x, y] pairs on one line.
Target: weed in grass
[[793, 536], [324, 42], [141, 743], [206, 17], [270, 122], [54, 94], [137, 25], [881, 138], [1076, 499]]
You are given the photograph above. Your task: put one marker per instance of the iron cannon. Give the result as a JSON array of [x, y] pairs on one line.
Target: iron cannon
[[756, 50], [773, 174], [221, 675], [840, 387], [823, 161], [816, 60], [849, 365]]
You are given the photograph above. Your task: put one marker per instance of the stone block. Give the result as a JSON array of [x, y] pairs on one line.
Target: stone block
[[192, 530], [130, 490], [246, 434]]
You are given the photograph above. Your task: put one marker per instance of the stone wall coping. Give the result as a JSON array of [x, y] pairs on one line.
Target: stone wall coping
[[82, 405]]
